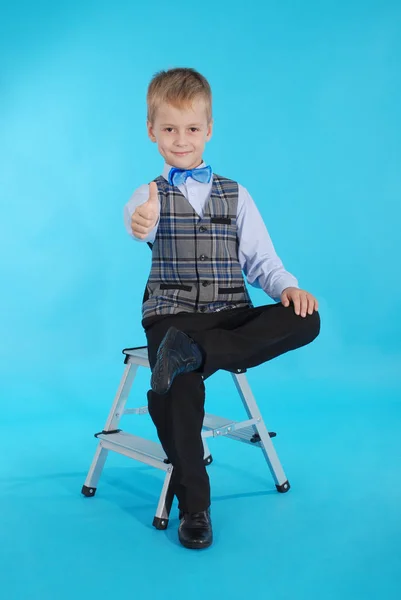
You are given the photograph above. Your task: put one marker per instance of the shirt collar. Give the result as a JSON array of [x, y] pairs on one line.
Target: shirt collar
[[167, 167]]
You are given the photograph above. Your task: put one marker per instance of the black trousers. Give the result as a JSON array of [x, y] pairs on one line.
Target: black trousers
[[232, 339]]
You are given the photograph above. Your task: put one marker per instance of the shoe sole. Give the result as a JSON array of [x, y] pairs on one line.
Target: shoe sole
[[196, 546], [157, 369]]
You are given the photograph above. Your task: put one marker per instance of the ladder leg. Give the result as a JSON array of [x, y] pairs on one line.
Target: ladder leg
[[165, 501], [121, 397], [167, 496], [268, 449], [95, 470], [116, 412], [206, 452]]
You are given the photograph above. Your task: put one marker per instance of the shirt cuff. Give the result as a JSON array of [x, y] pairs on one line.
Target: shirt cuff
[[149, 238], [281, 284]]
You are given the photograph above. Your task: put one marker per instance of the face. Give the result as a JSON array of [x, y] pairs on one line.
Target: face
[[181, 134]]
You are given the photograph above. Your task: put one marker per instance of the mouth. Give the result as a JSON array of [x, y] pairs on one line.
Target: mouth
[[181, 153]]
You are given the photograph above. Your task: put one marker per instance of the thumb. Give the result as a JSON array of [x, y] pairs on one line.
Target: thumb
[[284, 299], [153, 196]]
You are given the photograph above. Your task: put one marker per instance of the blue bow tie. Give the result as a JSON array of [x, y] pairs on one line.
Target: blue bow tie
[[177, 176]]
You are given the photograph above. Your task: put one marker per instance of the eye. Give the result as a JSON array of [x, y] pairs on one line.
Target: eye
[[194, 129], [169, 129]]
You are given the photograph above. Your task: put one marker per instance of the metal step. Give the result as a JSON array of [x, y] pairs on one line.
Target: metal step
[[139, 410], [212, 423], [135, 447], [245, 434], [150, 452], [215, 422], [137, 356]]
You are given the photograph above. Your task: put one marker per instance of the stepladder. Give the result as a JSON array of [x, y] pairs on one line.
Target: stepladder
[[252, 430]]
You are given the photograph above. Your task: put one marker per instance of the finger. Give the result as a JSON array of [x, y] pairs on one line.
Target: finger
[[141, 236], [316, 304], [297, 303], [139, 229], [141, 217], [153, 196], [145, 214], [304, 304], [311, 304]]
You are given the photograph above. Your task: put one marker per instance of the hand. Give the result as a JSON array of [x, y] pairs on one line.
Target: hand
[[146, 215], [303, 301]]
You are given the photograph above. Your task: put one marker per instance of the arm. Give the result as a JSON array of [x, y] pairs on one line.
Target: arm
[[139, 198], [257, 256]]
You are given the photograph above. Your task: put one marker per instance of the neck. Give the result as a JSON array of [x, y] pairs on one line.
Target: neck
[[195, 167]]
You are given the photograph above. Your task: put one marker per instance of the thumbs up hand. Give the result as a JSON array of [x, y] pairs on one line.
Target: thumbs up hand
[[146, 215]]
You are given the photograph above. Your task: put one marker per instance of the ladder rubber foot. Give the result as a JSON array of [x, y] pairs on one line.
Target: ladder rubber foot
[[284, 487], [88, 491], [104, 432], [256, 437], [206, 461], [160, 523]]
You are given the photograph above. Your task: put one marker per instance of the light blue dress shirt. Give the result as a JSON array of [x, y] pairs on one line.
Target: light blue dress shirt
[[257, 256]]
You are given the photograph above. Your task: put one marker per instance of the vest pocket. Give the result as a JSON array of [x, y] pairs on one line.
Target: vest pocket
[[233, 290], [175, 286], [221, 220]]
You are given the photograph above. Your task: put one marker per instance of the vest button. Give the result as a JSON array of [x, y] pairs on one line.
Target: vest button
[[202, 228], [205, 283], [203, 257]]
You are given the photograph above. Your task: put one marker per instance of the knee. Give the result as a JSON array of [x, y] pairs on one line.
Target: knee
[[188, 387], [154, 403], [309, 327], [158, 406], [187, 395]]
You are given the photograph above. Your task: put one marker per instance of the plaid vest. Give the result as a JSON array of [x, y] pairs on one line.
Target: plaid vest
[[195, 266]]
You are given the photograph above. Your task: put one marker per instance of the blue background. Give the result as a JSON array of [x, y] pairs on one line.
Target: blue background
[[307, 118]]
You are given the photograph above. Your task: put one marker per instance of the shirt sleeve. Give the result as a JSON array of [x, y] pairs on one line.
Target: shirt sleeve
[[140, 196], [257, 256]]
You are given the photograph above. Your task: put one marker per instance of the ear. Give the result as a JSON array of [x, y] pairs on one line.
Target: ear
[[209, 130], [151, 134]]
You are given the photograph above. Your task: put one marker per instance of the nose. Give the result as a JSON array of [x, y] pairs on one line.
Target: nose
[[181, 140]]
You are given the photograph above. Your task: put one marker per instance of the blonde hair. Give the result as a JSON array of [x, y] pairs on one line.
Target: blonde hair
[[178, 87]]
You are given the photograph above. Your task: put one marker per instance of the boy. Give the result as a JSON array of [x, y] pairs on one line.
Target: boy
[[197, 314]]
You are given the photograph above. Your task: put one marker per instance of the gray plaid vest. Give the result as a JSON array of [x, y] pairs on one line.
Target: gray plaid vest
[[195, 266]]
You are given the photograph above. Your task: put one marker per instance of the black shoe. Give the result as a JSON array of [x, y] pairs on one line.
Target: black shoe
[[177, 353], [195, 530]]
